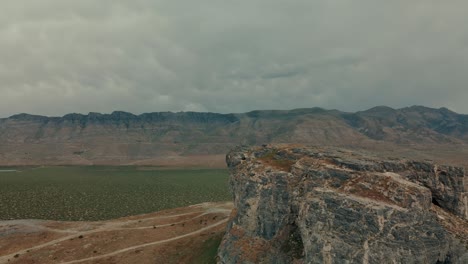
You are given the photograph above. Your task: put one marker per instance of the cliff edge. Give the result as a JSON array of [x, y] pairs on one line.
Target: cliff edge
[[327, 205]]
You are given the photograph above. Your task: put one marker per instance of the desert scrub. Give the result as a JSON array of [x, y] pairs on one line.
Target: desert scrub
[[103, 192]]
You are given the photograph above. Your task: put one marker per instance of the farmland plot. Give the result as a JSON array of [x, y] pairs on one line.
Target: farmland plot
[[104, 192]]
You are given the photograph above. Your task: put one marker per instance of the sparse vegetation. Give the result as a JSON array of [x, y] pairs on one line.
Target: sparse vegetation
[[104, 192], [209, 250], [281, 163]]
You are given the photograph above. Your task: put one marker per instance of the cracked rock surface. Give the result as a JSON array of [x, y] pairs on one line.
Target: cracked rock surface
[[297, 204]]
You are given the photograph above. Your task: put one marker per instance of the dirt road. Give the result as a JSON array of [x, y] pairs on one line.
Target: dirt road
[[151, 238]]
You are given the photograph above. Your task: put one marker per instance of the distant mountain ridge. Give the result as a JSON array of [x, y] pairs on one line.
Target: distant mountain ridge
[[125, 138], [120, 116]]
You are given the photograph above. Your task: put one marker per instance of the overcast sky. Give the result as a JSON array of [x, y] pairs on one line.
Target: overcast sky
[[62, 56]]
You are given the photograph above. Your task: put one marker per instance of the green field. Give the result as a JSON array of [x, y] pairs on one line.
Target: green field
[[102, 192]]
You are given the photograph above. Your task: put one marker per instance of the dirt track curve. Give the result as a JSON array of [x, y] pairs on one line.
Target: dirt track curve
[[169, 236]]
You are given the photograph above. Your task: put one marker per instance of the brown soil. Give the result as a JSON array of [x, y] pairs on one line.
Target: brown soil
[[170, 236]]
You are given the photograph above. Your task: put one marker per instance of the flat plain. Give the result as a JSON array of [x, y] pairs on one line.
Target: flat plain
[[90, 193]]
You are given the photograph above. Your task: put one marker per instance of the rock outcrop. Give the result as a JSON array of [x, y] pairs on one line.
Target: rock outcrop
[[317, 205]]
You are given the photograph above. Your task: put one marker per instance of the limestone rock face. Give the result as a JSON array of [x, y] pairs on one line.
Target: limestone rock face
[[321, 205]]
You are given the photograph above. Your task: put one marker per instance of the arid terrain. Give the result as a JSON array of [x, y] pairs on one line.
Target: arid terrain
[[183, 235], [187, 139], [202, 139]]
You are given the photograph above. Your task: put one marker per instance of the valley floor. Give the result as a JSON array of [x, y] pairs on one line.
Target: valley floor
[[183, 235]]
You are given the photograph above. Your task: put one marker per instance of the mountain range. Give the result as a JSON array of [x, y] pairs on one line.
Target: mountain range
[[194, 138]]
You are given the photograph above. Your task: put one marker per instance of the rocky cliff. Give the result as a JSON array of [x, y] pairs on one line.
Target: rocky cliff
[[328, 205]]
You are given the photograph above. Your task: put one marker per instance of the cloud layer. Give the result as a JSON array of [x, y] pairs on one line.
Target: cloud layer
[[61, 56]]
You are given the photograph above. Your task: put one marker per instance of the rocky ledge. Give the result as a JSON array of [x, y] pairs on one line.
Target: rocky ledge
[[321, 205]]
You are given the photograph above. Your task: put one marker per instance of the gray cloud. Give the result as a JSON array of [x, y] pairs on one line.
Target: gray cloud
[[61, 56]]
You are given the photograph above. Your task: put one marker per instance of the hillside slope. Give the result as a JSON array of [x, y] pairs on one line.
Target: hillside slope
[[165, 137]]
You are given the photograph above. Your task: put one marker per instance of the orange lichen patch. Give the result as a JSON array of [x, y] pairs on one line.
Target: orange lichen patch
[[451, 222], [233, 213], [251, 249], [237, 231], [371, 194], [357, 186], [328, 161]]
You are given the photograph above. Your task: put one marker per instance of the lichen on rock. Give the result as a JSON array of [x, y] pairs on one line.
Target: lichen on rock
[[298, 204]]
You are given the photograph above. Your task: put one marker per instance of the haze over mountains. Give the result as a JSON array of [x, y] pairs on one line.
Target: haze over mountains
[[203, 138]]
